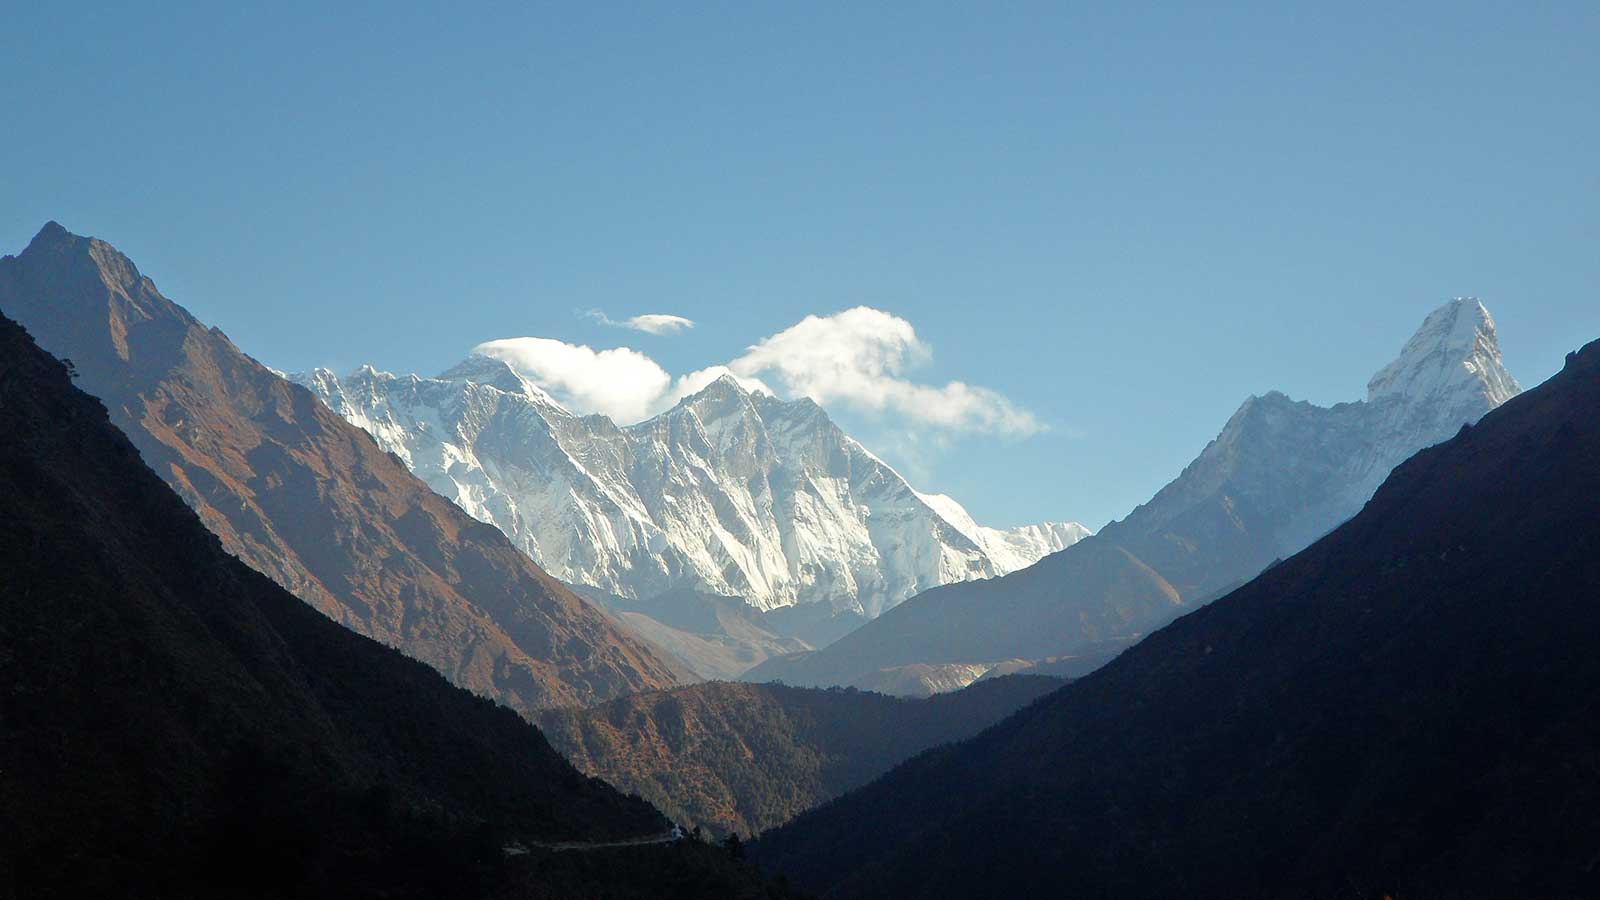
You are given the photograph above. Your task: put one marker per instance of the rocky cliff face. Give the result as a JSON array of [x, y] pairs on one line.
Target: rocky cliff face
[[730, 492]]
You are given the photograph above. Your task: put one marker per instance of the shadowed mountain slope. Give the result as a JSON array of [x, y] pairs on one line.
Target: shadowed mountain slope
[[1408, 707], [171, 721], [747, 757], [310, 500]]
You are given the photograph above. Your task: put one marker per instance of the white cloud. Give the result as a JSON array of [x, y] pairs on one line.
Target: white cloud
[[696, 381], [649, 323], [621, 383], [857, 358]]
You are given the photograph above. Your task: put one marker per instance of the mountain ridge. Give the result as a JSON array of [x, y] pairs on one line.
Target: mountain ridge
[[311, 501]]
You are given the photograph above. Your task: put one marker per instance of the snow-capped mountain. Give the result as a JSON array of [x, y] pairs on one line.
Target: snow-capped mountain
[[1010, 548], [729, 492], [1279, 475], [1283, 472]]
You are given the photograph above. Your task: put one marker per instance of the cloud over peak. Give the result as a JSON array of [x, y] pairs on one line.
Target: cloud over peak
[[858, 358], [621, 383]]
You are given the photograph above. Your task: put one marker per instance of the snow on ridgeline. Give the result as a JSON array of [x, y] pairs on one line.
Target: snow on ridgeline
[[730, 492]]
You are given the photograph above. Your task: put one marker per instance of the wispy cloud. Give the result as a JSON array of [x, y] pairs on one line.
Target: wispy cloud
[[649, 323]]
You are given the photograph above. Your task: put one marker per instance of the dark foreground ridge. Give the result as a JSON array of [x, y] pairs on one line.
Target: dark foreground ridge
[[174, 724], [1408, 707]]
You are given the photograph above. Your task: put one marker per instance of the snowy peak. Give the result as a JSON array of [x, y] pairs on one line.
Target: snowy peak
[[724, 386], [496, 373], [1453, 357], [731, 491], [322, 382], [1283, 472], [718, 400]]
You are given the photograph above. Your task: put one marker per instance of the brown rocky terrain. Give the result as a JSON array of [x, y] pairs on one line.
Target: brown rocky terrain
[[310, 500], [747, 757]]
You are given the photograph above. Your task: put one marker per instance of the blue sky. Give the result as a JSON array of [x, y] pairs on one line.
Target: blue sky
[[1120, 220]]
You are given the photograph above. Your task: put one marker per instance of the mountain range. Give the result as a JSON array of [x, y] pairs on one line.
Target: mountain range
[[313, 502], [1346, 652], [1406, 709], [174, 724], [1280, 474], [730, 492]]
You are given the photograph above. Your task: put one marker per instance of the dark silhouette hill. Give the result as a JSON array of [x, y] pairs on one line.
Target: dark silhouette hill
[[747, 757], [1406, 708], [174, 724], [309, 499]]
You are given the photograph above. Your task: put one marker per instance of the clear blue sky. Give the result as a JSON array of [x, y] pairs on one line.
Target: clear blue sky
[[1123, 220]]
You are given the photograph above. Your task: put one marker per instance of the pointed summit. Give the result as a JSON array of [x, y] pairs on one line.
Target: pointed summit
[[723, 408], [720, 397], [55, 246], [1454, 357], [52, 232], [727, 381], [80, 292], [724, 387]]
